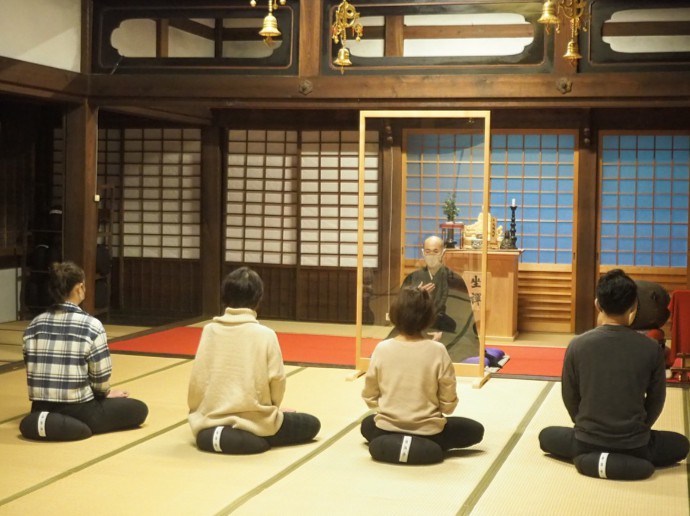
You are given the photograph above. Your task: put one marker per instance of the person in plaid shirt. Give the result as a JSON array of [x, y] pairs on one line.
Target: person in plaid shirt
[[68, 369]]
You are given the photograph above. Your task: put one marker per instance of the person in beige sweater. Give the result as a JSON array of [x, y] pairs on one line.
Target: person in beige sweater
[[411, 384], [238, 379]]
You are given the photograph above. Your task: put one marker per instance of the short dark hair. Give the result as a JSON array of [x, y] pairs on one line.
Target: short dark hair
[[412, 311], [63, 277], [242, 288], [616, 292]]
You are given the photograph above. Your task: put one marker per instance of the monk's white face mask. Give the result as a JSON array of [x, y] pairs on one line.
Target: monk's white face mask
[[433, 260]]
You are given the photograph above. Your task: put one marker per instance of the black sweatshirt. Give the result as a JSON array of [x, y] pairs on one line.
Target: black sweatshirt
[[614, 386]]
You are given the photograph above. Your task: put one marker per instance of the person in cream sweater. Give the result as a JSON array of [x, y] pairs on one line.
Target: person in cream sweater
[[238, 380], [411, 384]]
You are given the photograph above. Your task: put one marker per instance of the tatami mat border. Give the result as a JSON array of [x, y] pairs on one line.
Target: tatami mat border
[[155, 371], [117, 451], [488, 477], [90, 463], [292, 467]]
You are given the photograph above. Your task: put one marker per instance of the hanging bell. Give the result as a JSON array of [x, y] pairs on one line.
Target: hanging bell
[[572, 54], [343, 58], [270, 29], [548, 13]]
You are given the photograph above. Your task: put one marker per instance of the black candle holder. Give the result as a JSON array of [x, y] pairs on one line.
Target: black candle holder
[[510, 238]]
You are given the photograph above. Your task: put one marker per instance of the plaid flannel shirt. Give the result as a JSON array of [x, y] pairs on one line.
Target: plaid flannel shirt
[[66, 356]]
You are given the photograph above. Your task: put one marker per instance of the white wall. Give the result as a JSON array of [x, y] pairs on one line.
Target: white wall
[[46, 32], [8, 295]]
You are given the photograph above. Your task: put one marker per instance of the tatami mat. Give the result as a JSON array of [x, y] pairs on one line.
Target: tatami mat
[[344, 480], [531, 483], [157, 469], [167, 475]]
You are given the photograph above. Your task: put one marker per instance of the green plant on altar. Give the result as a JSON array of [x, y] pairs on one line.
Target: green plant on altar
[[450, 209]]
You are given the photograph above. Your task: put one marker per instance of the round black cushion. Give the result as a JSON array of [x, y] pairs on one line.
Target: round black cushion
[[405, 449], [614, 466], [224, 439], [51, 426]]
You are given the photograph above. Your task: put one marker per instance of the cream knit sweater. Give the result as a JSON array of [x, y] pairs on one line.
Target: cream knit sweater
[[412, 384], [237, 379]]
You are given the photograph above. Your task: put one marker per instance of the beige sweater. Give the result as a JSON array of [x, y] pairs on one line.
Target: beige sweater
[[412, 384], [237, 379]]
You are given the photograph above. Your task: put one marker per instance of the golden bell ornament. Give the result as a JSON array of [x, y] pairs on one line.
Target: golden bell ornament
[[270, 29], [572, 54], [343, 58], [548, 13]]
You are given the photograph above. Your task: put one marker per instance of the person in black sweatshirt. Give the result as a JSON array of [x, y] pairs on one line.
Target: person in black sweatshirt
[[614, 388]]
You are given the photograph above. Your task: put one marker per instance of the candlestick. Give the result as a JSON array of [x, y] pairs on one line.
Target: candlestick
[[513, 203]]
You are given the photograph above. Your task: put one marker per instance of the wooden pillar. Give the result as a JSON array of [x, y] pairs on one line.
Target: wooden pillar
[[394, 36], [310, 38], [80, 211], [211, 218], [585, 260], [389, 273]]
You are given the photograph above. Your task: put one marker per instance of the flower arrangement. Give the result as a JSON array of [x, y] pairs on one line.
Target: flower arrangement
[[450, 209]]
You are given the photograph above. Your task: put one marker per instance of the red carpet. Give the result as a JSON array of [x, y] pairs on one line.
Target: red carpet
[[329, 350], [533, 361], [296, 348]]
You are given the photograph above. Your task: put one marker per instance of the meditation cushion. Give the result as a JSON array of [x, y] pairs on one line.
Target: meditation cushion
[[475, 360], [52, 426], [614, 466], [233, 441], [405, 449]]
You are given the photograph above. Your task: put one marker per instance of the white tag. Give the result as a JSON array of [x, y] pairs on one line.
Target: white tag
[[602, 464], [405, 448], [42, 423], [216, 439]]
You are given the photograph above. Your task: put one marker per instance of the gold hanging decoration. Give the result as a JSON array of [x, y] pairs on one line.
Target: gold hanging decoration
[[346, 17], [270, 30], [576, 12]]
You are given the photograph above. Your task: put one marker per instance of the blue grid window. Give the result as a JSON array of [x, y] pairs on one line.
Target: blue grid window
[[644, 199], [439, 165], [537, 170]]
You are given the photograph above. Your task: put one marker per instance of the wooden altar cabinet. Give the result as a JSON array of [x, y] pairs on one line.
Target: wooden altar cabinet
[[502, 289]]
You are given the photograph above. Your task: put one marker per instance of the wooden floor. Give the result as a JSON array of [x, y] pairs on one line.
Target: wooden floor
[[157, 469]]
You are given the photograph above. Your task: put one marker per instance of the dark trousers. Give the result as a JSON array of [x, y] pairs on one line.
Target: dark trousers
[[101, 415], [664, 448], [297, 428], [459, 432]]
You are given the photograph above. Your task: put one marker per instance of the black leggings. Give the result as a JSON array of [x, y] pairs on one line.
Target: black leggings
[[297, 428], [664, 448], [459, 432], [101, 415]]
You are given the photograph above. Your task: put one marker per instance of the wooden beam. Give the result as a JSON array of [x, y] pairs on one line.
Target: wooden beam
[[514, 89], [585, 238], [80, 225], [310, 39], [86, 31], [523, 30], [212, 224], [44, 82], [162, 38], [193, 27], [394, 40]]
